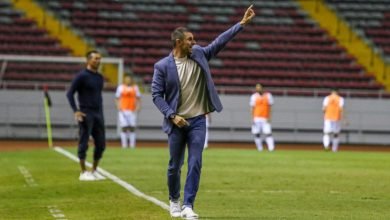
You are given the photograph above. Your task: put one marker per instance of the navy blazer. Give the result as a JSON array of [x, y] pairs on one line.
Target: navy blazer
[[166, 83]]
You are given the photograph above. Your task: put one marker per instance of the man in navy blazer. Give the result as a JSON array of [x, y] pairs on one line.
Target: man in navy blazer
[[183, 90]]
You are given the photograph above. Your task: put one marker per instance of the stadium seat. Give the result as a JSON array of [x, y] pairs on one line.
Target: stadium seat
[[282, 48], [371, 18], [21, 36]]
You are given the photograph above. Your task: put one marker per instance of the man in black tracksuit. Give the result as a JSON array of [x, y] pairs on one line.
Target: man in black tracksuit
[[88, 84]]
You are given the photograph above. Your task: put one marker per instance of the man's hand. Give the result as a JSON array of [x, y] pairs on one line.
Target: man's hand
[[249, 14], [179, 121], [78, 116]]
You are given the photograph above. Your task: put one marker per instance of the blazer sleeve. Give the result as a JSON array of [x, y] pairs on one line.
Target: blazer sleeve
[[158, 93], [219, 43]]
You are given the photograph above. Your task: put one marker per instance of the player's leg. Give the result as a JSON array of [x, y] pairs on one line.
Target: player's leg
[[195, 140], [85, 129], [326, 137], [258, 142], [267, 130], [132, 122], [256, 129], [124, 137], [99, 137], [176, 142], [336, 131], [132, 136], [335, 142], [124, 126]]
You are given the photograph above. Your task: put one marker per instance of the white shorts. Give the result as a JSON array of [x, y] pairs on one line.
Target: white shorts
[[261, 127], [127, 119], [332, 127]]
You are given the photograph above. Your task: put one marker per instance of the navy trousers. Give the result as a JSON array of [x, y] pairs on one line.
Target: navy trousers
[[193, 136], [92, 124]]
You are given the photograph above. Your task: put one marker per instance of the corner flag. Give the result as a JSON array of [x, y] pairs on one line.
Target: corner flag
[[47, 104]]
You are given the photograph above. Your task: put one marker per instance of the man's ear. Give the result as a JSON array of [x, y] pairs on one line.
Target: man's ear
[[178, 42]]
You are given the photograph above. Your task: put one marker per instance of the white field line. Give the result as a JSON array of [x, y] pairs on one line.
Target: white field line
[[56, 212], [117, 180], [27, 176]]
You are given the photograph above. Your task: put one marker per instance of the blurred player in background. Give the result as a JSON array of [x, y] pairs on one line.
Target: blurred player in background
[[332, 107], [206, 138], [88, 84], [128, 102], [183, 90], [261, 104]]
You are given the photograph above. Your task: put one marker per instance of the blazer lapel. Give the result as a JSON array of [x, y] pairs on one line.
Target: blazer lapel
[[172, 69]]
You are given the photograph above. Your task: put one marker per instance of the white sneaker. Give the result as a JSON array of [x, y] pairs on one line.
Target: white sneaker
[[87, 176], [174, 209], [98, 176], [189, 214]]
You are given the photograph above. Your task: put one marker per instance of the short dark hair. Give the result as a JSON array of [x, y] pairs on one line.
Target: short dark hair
[[89, 54], [178, 33]]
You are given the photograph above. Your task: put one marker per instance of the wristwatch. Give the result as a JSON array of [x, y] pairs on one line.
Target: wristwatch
[[172, 116]]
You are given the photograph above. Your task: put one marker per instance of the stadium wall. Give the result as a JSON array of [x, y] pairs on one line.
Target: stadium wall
[[295, 119]]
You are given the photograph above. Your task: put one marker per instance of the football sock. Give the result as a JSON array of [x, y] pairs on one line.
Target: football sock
[[335, 144], [132, 137], [326, 141], [270, 143], [258, 143], [124, 139]]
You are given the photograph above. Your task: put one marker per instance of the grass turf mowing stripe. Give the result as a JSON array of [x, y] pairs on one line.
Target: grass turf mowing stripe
[[117, 180]]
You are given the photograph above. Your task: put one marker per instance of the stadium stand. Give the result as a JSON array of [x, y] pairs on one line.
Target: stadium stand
[[20, 36], [284, 49], [370, 18]]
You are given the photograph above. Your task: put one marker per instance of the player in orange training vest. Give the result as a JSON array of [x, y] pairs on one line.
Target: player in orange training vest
[[128, 100], [333, 113], [261, 103]]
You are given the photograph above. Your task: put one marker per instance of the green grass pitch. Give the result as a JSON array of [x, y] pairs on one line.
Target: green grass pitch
[[235, 184]]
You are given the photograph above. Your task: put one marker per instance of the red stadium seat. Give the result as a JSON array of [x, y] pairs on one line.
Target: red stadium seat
[[282, 49]]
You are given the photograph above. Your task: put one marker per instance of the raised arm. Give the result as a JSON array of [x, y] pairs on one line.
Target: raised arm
[[219, 43]]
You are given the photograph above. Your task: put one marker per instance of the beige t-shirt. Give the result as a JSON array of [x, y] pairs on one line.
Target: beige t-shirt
[[194, 99]]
